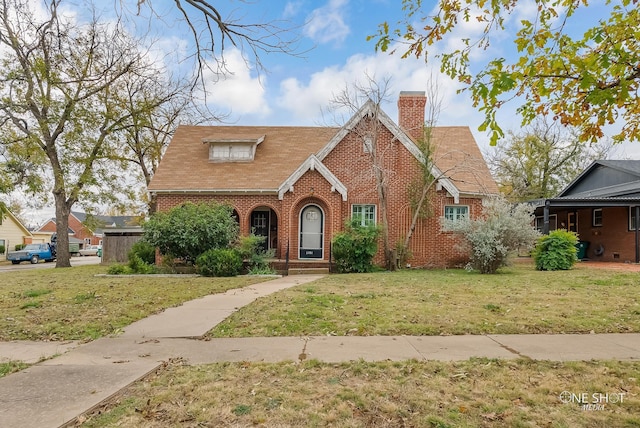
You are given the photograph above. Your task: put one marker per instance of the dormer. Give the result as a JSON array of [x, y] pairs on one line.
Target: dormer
[[237, 149]]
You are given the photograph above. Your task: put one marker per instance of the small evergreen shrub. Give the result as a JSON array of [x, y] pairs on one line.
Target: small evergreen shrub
[[219, 262], [354, 249], [556, 251], [2, 249], [19, 247], [145, 251], [139, 266], [251, 250], [118, 269]]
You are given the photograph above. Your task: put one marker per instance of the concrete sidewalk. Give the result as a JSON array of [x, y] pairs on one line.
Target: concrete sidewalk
[[54, 392]]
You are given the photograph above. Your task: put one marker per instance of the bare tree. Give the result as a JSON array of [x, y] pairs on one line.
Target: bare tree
[[213, 33], [368, 131]]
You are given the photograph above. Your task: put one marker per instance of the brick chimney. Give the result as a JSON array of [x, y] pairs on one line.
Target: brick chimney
[[411, 106]]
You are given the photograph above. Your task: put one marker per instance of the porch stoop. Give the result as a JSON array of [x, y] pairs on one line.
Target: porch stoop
[[301, 267], [309, 271]]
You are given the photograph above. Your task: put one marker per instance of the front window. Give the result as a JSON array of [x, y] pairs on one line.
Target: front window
[[456, 212], [632, 218], [366, 214], [553, 223], [597, 217]]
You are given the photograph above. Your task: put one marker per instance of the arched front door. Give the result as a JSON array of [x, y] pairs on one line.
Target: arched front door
[[311, 228]]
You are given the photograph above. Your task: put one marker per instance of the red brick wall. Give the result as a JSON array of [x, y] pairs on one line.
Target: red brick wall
[[614, 234]]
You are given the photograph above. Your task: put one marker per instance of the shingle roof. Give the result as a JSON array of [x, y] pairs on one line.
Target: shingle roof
[[457, 155], [185, 166]]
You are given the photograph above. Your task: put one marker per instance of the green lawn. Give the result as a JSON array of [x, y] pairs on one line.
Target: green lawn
[[433, 302], [74, 304]]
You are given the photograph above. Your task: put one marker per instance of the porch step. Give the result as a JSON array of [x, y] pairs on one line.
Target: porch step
[[309, 271]]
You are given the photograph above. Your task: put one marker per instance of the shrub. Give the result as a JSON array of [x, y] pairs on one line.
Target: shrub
[[251, 250], [139, 266], [145, 251], [2, 249], [556, 251], [19, 247], [219, 262], [353, 249], [118, 269], [189, 230], [502, 229]]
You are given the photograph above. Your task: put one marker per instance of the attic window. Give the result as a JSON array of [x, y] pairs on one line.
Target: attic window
[[232, 149]]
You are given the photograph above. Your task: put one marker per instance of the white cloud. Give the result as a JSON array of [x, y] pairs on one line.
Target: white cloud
[[237, 91], [326, 24], [304, 100], [291, 9]]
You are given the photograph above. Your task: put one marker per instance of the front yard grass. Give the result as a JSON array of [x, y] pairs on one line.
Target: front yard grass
[[74, 304], [474, 393], [447, 302]]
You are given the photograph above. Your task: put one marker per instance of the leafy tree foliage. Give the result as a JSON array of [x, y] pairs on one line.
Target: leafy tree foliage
[[541, 161], [189, 230], [500, 230], [587, 82], [354, 248], [59, 106], [556, 251]]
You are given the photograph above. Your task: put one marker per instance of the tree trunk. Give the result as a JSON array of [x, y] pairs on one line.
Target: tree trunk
[[63, 209]]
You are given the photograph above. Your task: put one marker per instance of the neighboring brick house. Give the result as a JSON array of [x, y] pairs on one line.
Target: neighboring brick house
[[602, 205], [84, 235], [297, 185]]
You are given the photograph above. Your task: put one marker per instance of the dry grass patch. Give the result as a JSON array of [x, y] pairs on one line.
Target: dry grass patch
[[74, 304], [474, 393], [434, 302]]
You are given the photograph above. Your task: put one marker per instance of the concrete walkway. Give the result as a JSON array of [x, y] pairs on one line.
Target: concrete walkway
[[55, 392]]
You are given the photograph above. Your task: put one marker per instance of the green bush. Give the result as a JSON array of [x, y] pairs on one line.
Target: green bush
[[219, 262], [556, 251], [354, 249], [19, 247], [139, 266], [118, 269], [2, 249], [251, 250], [189, 230], [145, 251]]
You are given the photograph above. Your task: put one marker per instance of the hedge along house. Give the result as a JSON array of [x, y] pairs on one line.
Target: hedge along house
[[297, 185], [602, 205]]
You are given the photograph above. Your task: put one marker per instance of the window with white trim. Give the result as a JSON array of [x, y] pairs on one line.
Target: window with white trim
[[365, 212], [456, 212], [597, 217], [632, 218]]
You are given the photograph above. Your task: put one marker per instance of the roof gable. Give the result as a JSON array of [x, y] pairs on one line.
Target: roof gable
[[371, 109], [606, 178], [8, 216], [313, 164]]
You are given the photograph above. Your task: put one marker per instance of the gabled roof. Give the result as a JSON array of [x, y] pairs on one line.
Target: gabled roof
[[458, 162], [605, 179], [9, 215], [313, 163], [107, 220], [185, 166], [285, 154]]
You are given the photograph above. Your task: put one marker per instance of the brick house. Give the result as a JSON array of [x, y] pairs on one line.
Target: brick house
[[602, 205], [297, 185]]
